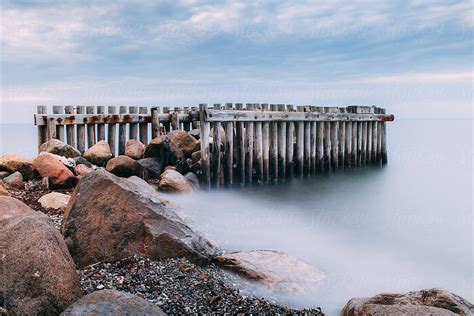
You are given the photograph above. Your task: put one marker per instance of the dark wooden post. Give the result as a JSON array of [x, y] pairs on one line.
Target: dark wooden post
[[81, 131], [342, 139], [249, 144], [70, 129], [313, 142], [143, 111], [111, 129], [133, 127], [100, 127], [155, 122], [259, 148], [274, 147], [122, 137], [42, 132], [320, 141], [240, 146], [307, 144], [327, 142], [90, 128], [167, 124], [348, 154], [266, 146], [205, 157], [300, 145], [282, 145], [290, 136], [229, 149], [59, 109], [383, 142]]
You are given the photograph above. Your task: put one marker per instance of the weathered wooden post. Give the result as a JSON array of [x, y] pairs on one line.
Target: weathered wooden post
[[327, 142], [320, 141], [70, 129], [42, 132], [313, 142], [194, 124], [379, 139], [155, 122], [375, 137], [300, 144], [81, 131], [348, 138], [342, 139], [112, 128], [205, 157], [355, 153], [249, 132], [216, 152], [359, 143], [364, 143], [266, 146], [90, 128], [282, 145], [274, 146], [240, 146], [143, 110], [259, 148], [307, 144], [59, 109], [290, 134], [187, 119], [133, 127], [369, 141], [167, 124], [229, 149], [122, 138], [100, 127], [384, 141], [334, 139]]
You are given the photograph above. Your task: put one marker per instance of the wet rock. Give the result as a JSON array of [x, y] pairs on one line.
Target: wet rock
[[278, 271], [173, 181], [124, 166], [109, 218], [57, 147], [98, 154], [424, 302], [82, 161], [11, 207], [163, 150], [81, 170], [13, 163], [183, 140], [54, 200], [134, 149], [38, 274], [153, 166], [3, 191], [196, 133], [193, 180], [51, 167], [14, 181], [4, 174], [112, 302]]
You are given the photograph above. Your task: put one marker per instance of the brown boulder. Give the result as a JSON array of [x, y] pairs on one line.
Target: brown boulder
[[60, 148], [278, 271], [196, 157], [193, 180], [81, 170], [14, 181], [163, 150], [183, 141], [109, 218], [153, 167], [98, 154], [173, 181], [424, 302], [38, 274], [134, 149], [3, 191], [124, 166], [11, 207], [50, 166], [12, 163], [112, 302]]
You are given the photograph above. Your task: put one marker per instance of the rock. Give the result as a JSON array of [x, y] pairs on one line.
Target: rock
[[134, 149], [50, 166], [173, 181], [11, 207], [196, 133], [183, 140], [3, 191], [112, 302], [14, 181], [98, 154], [13, 163], [109, 218], [193, 180], [81, 170], [82, 161], [54, 200], [153, 166], [424, 302], [163, 150], [278, 271], [4, 174], [38, 274], [57, 147], [196, 157], [124, 166]]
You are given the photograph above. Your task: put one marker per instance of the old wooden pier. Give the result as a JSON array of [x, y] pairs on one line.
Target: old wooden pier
[[251, 143]]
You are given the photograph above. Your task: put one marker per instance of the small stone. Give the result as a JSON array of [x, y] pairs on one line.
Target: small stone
[[57, 147], [124, 166], [81, 170], [14, 181], [82, 161], [134, 149], [4, 174], [173, 181], [153, 166], [54, 200], [99, 154], [183, 141]]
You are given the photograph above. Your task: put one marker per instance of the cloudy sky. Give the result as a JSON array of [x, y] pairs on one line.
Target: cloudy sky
[[413, 57]]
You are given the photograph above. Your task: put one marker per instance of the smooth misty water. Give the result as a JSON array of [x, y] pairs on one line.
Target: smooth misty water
[[403, 227]]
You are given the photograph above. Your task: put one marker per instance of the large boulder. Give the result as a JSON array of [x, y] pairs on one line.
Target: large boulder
[[124, 166], [424, 302], [173, 181], [134, 149], [14, 181], [109, 218], [57, 147], [38, 275], [153, 166], [112, 302], [54, 200], [98, 154], [51, 167], [183, 140], [11, 207], [163, 149], [12, 163], [278, 271], [3, 191]]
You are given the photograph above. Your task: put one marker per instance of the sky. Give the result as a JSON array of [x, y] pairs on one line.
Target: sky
[[413, 57]]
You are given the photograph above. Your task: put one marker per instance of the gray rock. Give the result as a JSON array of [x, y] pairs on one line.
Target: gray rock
[[124, 166], [12, 163], [82, 161], [14, 181], [173, 181], [98, 154], [153, 166], [54, 200], [193, 180], [4, 174], [57, 147]]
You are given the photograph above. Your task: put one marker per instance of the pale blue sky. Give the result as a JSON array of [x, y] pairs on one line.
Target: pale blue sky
[[413, 57]]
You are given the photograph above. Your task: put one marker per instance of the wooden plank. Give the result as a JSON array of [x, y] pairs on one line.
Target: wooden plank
[[300, 145], [90, 128], [216, 164], [59, 109], [348, 144], [290, 135], [143, 110], [155, 122], [100, 127], [307, 144], [313, 133], [42, 131], [258, 148], [249, 146], [205, 157], [112, 130], [282, 145], [81, 131], [320, 142], [273, 147], [229, 150], [266, 146], [122, 137], [70, 129], [133, 127], [369, 142], [240, 147]]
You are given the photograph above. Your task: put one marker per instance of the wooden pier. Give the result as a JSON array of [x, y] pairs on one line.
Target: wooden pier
[[240, 144]]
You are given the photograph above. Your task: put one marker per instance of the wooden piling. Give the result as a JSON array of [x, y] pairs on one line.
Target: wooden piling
[[90, 129], [307, 144], [229, 149], [81, 131], [240, 146], [112, 130], [364, 143], [327, 143], [42, 132], [70, 129], [249, 144], [205, 158], [187, 120], [300, 145], [167, 125], [143, 110], [266, 146], [320, 142], [383, 143], [273, 147], [334, 142], [155, 122], [359, 143], [100, 127], [282, 145], [259, 149], [348, 142], [375, 137], [341, 140], [355, 152], [59, 109], [313, 133], [122, 137], [369, 142], [290, 134], [133, 127], [216, 164], [194, 124]]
